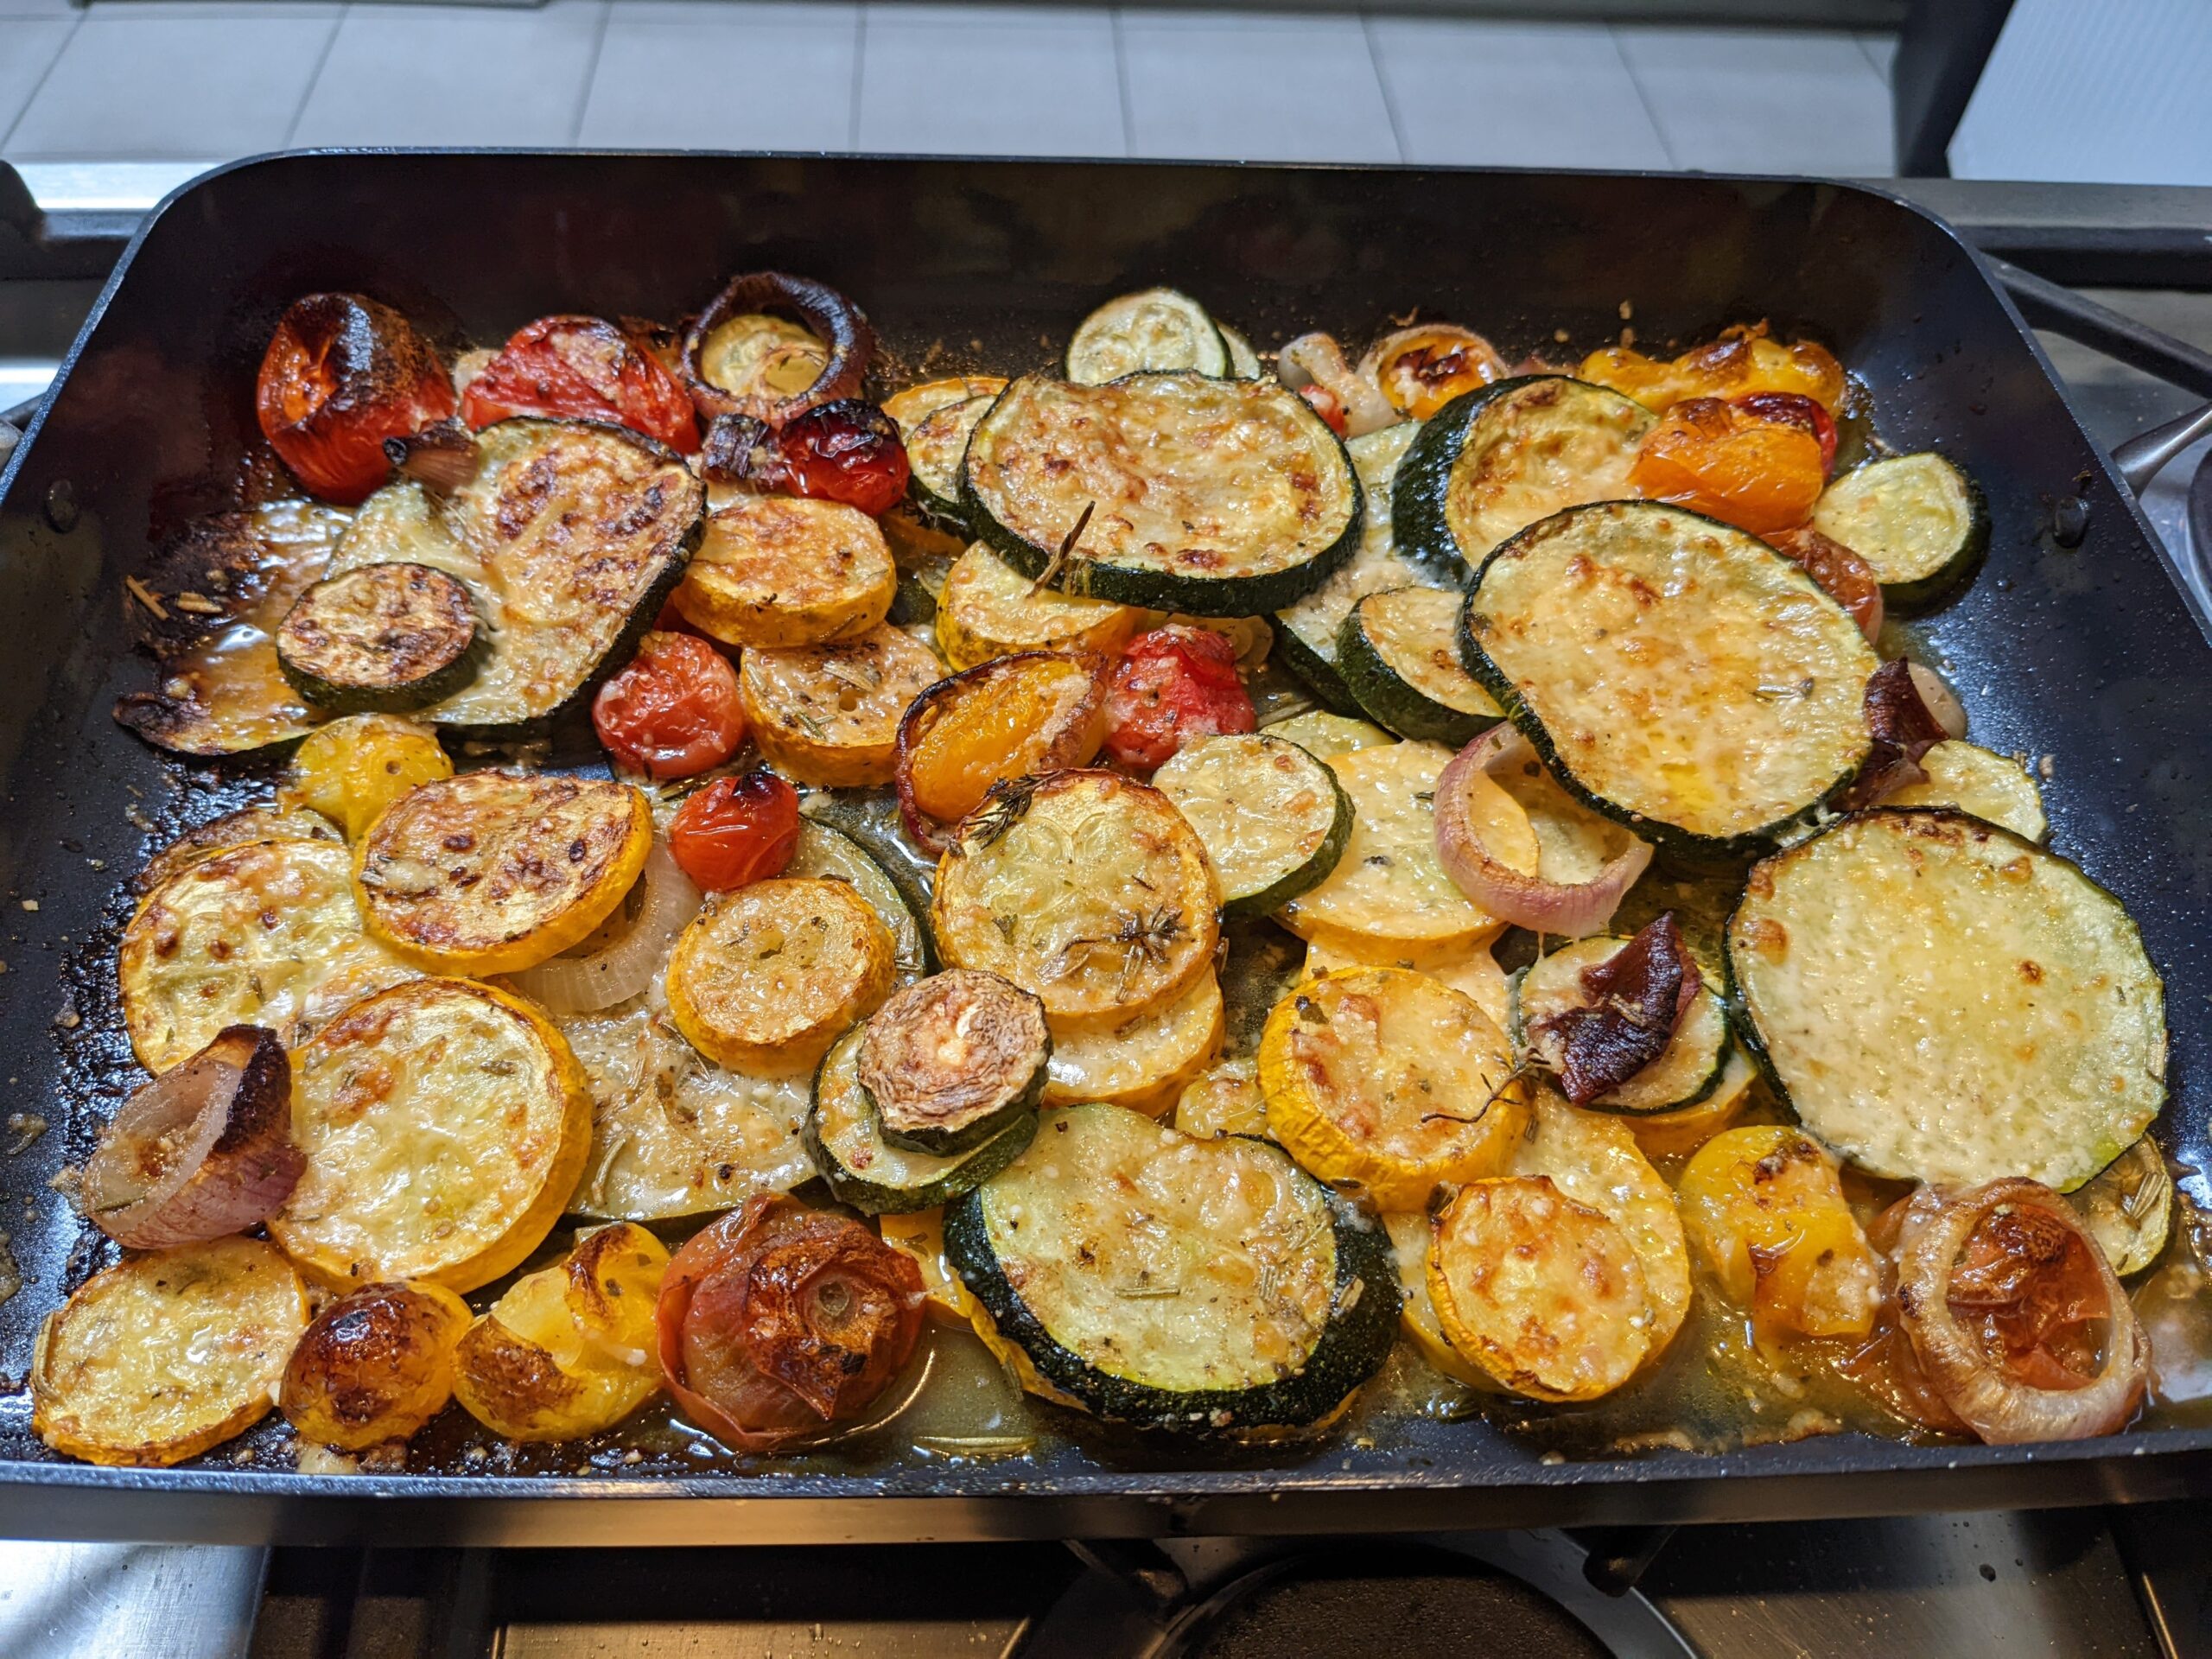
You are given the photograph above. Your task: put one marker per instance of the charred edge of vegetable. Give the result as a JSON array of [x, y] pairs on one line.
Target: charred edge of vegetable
[[397, 682], [1362, 1328], [841, 326], [1013, 1092]]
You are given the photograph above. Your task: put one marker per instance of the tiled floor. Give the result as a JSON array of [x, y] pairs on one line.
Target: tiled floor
[[191, 81]]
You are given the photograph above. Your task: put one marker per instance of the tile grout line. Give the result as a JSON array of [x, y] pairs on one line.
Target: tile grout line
[[45, 75], [860, 64], [591, 73], [314, 75], [1382, 82], [1651, 110], [1122, 86]]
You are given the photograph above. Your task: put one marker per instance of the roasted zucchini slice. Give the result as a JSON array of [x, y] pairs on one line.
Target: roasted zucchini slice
[[934, 420], [1941, 1001], [266, 934], [1993, 787], [1153, 328], [1213, 497], [949, 1061], [1201, 1287], [829, 715], [1144, 1064], [845, 1139], [168, 1353], [780, 570], [1387, 1080], [1272, 818], [1325, 735], [833, 856], [2128, 1207], [493, 872], [1084, 887], [1672, 1135], [1675, 674], [1687, 1070], [988, 608], [445, 1123], [379, 639], [1399, 653], [239, 828], [1918, 520], [1493, 461], [1243, 361]]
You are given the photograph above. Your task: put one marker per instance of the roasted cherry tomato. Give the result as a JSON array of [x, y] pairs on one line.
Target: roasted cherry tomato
[[848, 451], [1842, 575], [1173, 685], [778, 1322], [673, 712], [1731, 465], [582, 369], [736, 830], [1794, 408], [1037, 711], [341, 374], [1743, 360]]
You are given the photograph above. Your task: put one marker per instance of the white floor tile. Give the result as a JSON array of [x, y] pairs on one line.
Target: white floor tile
[[411, 74], [762, 85], [146, 88], [1879, 46], [28, 46], [1257, 88], [1007, 85], [1481, 92], [1764, 100], [789, 14]]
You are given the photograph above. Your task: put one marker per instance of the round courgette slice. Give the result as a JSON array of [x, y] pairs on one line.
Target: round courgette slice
[[1399, 653], [1918, 520], [1941, 1001], [379, 639], [1308, 630], [1154, 328], [833, 856], [845, 1139], [1271, 816], [1686, 1072], [1977, 780], [1325, 735], [951, 1061], [934, 420]]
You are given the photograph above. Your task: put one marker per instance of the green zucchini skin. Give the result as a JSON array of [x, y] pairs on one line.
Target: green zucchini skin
[[1351, 1348], [397, 694], [1926, 592], [877, 1196], [1388, 699], [1320, 676], [1309, 873]]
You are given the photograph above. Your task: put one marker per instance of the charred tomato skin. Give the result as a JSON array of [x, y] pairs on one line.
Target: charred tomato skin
[[342, 373], [583, 369]]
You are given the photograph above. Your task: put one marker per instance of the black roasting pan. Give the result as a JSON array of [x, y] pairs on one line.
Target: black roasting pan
[[2087, 653]]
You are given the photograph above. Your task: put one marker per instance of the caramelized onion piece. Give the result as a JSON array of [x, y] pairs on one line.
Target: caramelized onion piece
[[840, 324], [1904, 729], [1638, 997], [441, 457], [2029, 1262], [203, 1150], [629, 951], [1318, 360], [1515, 895]]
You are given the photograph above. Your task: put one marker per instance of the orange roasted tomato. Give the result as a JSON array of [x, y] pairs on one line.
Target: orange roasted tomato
[[1173, 685], [1742, 361], [1422, 368], [673, 712], [1732, 465], [735, 831], [1034, 712], [1765, 1207], [778, 1322], [342, 373], [582, 369]]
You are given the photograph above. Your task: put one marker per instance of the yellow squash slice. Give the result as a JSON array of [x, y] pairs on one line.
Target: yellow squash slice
[[1145, 1065], [239, 828], [829, 715], [1412, 1236], [1223, 1099], [1670, 1134], [167, 1354], [445, 1124], [991, 609], [780, 570], [1470, 969], [491, 873], [766, 976]]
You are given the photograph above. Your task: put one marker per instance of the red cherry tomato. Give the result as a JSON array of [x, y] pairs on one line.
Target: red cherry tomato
[[1327, 405], [341, 374], [582, 369], [673, 712], [1794, 408], [736, 830], [1173, 685]]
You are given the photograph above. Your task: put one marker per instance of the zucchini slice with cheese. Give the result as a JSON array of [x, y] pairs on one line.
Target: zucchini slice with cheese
[[1399, 653], [1243, 361], [952, 1060], [1272, 818], [1212, 497], [1992, 786], [1153, 328], [845, 1139], [1325, 735], [1145, 1064], [1941, 1001], [829, 715], [1493, 461], [445, 1123], [1674, 1134], [988, 608], [1198, 1287], [1686, 1070], [166, 1354], [780, 570], [934, 420], [379, 639], [1673, 673], [1918, 520]]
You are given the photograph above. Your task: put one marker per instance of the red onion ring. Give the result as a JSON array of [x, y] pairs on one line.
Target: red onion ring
[[2002, 1412], [1575, 910], [1318, 360], [840, 324], [203, 1150]]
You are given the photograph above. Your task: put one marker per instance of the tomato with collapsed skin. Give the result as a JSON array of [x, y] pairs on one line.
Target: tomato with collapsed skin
[[1172, 685], [1327, 405], [673, 712], [1842, 575], [736, 830], [1422, 368], [1713, 458], [1742, 361], [582, 369], [1035, 712], [1765, 1207], [341, 374]]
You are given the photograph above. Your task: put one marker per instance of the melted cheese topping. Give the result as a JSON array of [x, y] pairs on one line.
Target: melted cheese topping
[[155, 1360], [265, 934], [1377, 564], [1549, 444], [1173, 1262], [1470, 969], [1224, 1099], [1145, 1064], [767, 976], [1263, 808], [829, 715], [1190, 476], [1993, 787], [1388, 885], [988, 608], [1684, 670], [780, 570], [1415, 632]]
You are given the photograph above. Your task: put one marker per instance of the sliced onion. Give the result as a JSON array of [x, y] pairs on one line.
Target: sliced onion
[[1939, 700], [841, 326], [628, 952], [202, 1152], [1318, 360], [1488, 874], [2003, 1412]]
